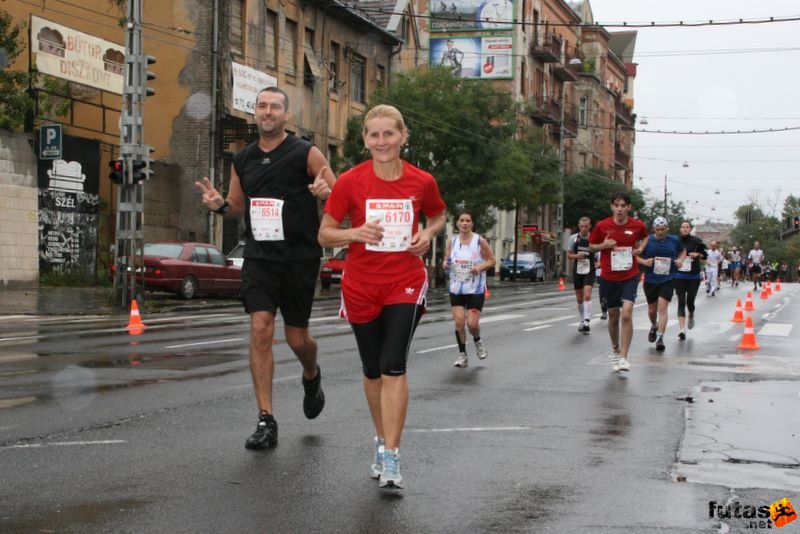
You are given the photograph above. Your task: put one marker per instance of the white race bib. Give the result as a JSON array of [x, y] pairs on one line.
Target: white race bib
[[397, 218], [583, 266], [687, 265], [661, 266], [266, 219], [461, 270], [621, 258]]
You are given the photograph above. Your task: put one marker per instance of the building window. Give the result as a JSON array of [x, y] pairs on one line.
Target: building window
[[380, 76], [358, 70], [290, 50], [237, 26], [311, 68], [333, 66], [583, 112], [271, 39]]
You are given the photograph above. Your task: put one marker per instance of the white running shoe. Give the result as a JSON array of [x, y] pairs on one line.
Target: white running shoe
[[481, 350], [622, 365], [461, 361]]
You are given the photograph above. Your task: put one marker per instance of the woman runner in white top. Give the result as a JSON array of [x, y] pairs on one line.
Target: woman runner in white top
[[467, 258]]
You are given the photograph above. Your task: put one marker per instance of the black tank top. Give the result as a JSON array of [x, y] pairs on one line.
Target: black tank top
[[281, 173], [581, 244]]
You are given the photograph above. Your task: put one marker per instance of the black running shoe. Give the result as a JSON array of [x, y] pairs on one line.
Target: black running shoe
[[682, 336], [660, 344], [314, 400], [266, 434], [651, 336]]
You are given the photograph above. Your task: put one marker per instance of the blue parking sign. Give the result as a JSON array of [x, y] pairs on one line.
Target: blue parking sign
[[50, 141]]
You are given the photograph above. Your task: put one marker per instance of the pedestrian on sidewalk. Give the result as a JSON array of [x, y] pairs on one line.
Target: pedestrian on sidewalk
[[467, 258], [662, 256], [275, 183], [384, 280], [621, 237]]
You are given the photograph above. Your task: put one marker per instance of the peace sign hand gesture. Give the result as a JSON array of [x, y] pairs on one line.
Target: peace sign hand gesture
[[211, 197]]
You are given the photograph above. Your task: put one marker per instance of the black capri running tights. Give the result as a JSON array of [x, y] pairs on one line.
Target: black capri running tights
[[687, 292], [383, 343]]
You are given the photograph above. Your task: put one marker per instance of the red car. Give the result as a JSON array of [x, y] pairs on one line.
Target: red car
[[189, 269], [331, 272]]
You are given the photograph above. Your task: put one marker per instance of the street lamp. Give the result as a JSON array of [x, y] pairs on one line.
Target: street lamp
[[574, 62]]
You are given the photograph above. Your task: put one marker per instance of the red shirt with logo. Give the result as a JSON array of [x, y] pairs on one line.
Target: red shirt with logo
[[349, 198], [626, 235]]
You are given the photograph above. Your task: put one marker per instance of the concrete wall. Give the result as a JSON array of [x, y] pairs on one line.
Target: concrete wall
[[19, 212]]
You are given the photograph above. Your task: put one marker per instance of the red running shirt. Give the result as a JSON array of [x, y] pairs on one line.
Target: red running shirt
[[626, 235], [349, 198]]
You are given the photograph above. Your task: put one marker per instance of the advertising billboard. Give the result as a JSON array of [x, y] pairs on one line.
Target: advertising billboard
[[452, 15], [475, 57]]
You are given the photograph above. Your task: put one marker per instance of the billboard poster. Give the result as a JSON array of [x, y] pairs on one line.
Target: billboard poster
[[247, 83], [474, 57], [76, 56], [452, 15]]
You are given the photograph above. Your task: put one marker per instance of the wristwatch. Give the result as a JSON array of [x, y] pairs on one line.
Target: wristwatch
[[222, 210]]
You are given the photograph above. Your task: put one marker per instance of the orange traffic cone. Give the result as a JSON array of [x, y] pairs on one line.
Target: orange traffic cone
[[748, 304], [765, 292], [769, 289], [738, 316], [561, 284], [642, 280], [777, 284], [486, 293], [135, 324], [749, 337]]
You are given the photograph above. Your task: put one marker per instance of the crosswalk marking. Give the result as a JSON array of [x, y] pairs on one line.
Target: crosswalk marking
[[776, 329]]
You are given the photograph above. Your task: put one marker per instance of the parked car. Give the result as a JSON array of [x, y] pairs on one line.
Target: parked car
[[331, 272], [236, 255], [189, 269], [529, 265]]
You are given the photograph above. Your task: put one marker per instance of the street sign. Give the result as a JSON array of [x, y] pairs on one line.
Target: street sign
[[50, 141]]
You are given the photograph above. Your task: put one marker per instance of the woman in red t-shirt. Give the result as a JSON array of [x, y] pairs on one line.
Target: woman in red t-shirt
[[384, 279]]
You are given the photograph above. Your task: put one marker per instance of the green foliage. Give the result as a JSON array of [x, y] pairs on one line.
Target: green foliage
[[462, 132], [791, 206], [587, 193], [675, 214], [15, 103]]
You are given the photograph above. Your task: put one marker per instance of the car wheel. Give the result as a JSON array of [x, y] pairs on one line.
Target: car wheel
[[188, 288]]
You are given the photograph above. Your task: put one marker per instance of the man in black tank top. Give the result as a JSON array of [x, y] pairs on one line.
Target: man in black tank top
[[275, 183], [583, 274]]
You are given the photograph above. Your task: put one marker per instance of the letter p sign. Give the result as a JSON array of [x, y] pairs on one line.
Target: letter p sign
[[50, 141]]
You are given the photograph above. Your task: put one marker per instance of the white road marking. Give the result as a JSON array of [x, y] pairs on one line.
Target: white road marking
[[201, 343], [495, 318], [540, 327], [434, 349], [469, 429], [65, 444], [776, 329], [548, 321]]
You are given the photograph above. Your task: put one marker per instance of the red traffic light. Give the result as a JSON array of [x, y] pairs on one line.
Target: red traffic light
[[117, 174]]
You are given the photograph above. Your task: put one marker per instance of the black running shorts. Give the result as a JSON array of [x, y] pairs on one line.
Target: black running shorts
[[290, 288]]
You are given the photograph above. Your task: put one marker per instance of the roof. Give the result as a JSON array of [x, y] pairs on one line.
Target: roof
[[359, 17], [623, 44], [383, 11]]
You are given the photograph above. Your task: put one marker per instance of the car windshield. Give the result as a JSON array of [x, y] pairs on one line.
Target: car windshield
[[530, 257], [169, 250], [237, 252]]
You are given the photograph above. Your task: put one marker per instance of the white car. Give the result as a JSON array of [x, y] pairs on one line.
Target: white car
[[236, 254]]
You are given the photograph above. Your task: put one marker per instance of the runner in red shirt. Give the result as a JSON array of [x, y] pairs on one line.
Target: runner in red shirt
[[384, 280], [621, 237]]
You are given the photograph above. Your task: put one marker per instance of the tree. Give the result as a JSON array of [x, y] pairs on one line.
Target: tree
[[15, 101], [675, 214], [791, 207], [587, 193], [474, 155]]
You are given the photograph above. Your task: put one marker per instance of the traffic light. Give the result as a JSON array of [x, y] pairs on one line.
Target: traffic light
[[147, 75], [141, 171], [117, 174]]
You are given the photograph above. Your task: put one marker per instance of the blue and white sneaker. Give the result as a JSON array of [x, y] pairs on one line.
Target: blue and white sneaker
[[390, 477], [380, 451]]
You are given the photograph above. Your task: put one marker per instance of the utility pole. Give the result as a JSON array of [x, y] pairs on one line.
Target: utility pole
[[665, 196], [133, 167], [562, 178]]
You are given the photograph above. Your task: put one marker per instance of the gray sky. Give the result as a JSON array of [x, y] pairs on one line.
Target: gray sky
[[737, 77]]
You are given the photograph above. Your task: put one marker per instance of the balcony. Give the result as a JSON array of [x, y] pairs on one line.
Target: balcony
[[622, 160], [568, 70], [545, 110], [548, 50], [623, 115], [570, 125]]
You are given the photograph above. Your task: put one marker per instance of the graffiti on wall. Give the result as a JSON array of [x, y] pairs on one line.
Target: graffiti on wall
[[69, 209]]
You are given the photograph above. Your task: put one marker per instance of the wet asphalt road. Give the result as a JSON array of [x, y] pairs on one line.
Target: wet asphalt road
[[102, 431]]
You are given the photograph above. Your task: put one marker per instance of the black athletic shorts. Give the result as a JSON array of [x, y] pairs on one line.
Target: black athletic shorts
[[470, 301], [755, 268], [290, 288], [579, 281], [653, 292], [613, 293]]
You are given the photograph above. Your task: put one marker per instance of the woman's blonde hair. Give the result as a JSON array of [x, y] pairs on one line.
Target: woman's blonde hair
[[385, 111]]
